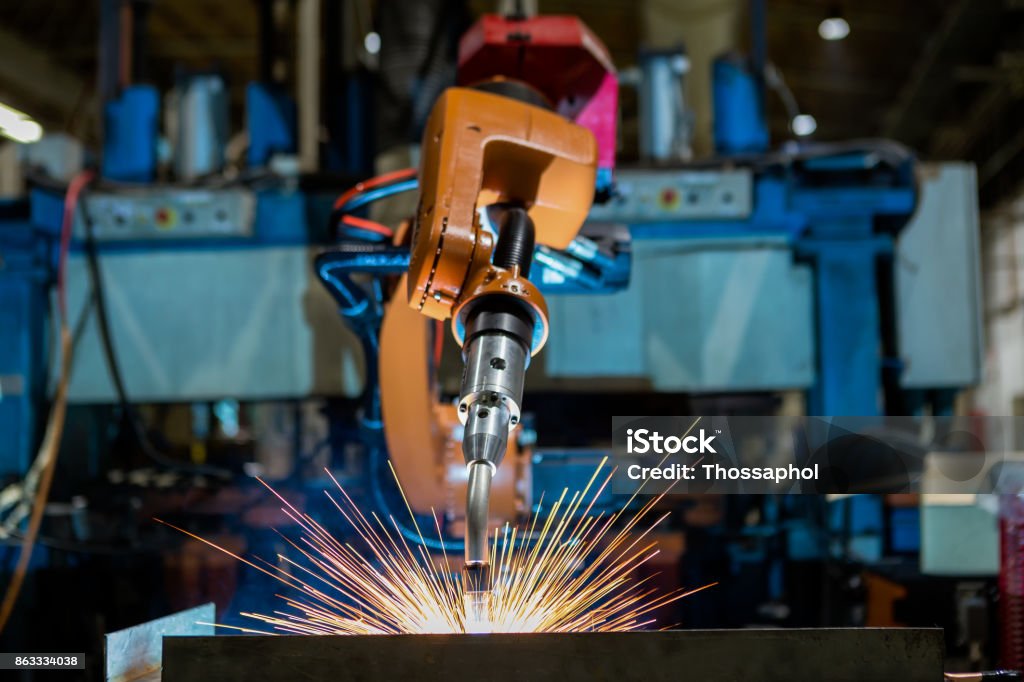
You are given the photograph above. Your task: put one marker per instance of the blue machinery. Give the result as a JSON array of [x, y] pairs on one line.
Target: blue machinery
[[757, 272], [824, 219]]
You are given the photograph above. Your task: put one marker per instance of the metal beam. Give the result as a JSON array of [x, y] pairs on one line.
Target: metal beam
[[896, 120], [309, 65], [955, 141]]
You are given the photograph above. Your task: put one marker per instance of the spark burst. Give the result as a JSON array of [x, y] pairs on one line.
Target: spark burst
[[575, 574]]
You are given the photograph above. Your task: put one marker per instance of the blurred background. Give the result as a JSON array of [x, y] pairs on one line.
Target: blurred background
[[804, 207]]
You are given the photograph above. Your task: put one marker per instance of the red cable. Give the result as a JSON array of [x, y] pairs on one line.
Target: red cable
[[373, 182], [369, 225], [75, 187]]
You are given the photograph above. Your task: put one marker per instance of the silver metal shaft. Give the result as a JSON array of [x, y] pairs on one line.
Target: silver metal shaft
[[476, 572], [478, 495], [492, 389]]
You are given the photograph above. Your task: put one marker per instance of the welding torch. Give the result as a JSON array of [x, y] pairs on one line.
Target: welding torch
[[500, 171], [499, 332]]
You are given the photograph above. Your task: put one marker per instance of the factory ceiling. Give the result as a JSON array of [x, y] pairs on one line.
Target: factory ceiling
[[943, 76]]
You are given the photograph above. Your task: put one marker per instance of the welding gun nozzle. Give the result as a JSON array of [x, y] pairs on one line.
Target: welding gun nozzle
[[496, 352], [476, 577], [476, 594]]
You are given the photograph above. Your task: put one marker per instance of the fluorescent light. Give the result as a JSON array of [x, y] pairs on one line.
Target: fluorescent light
[[10, 116], [371, 42], [833, 28], [24, 131], [803, 125], [18, 126]]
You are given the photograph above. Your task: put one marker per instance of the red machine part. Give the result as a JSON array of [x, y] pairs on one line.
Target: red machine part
[[556, 55], [1011, 582]]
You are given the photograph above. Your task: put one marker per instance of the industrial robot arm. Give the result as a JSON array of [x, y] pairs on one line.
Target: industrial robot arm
[[493, 153]]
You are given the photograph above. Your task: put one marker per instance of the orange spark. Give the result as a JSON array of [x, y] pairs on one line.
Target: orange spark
[[574, 574]]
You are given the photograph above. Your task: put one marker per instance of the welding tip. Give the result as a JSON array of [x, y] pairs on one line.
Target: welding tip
[[476, 595], [476, 578], [496, 351]]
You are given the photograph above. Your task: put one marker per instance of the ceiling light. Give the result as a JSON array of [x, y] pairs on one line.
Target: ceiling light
[[18, 126], [803, 125], [25, 131], [833, 27], [9, 116], [371, 42]]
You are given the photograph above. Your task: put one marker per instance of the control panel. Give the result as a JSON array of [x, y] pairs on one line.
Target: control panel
[[169, 214], [671, 194]]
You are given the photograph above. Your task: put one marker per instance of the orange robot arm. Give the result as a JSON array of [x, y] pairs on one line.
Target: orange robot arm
[[480, 149], [508, 156]]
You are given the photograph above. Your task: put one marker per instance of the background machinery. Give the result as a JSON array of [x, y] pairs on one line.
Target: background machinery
[[280, 310]]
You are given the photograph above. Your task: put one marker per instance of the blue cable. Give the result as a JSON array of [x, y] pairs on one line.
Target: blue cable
[[377, 193]]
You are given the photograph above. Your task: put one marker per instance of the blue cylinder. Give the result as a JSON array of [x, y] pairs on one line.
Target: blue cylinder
[[130, 128], [740, 126]]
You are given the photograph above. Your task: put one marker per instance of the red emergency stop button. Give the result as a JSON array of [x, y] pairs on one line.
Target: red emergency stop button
[[669, 198], [164, 217]]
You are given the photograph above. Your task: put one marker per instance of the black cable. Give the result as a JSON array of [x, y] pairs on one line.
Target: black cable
[[106, 343]]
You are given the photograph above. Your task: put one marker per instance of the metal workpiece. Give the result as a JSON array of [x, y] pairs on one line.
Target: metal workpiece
[[775, 655], [478, 493], [134, 654]]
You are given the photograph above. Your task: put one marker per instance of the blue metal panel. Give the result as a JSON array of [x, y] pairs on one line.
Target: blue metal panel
[[750, 304], [844, 202], [905, 529], [281, 220], [129, 147], [866, 523], [247, 323], [829, 220], [24, 282], [848, 328], [773, 216], [699, 315], [938, 283], [959, 539], [554, 471]]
